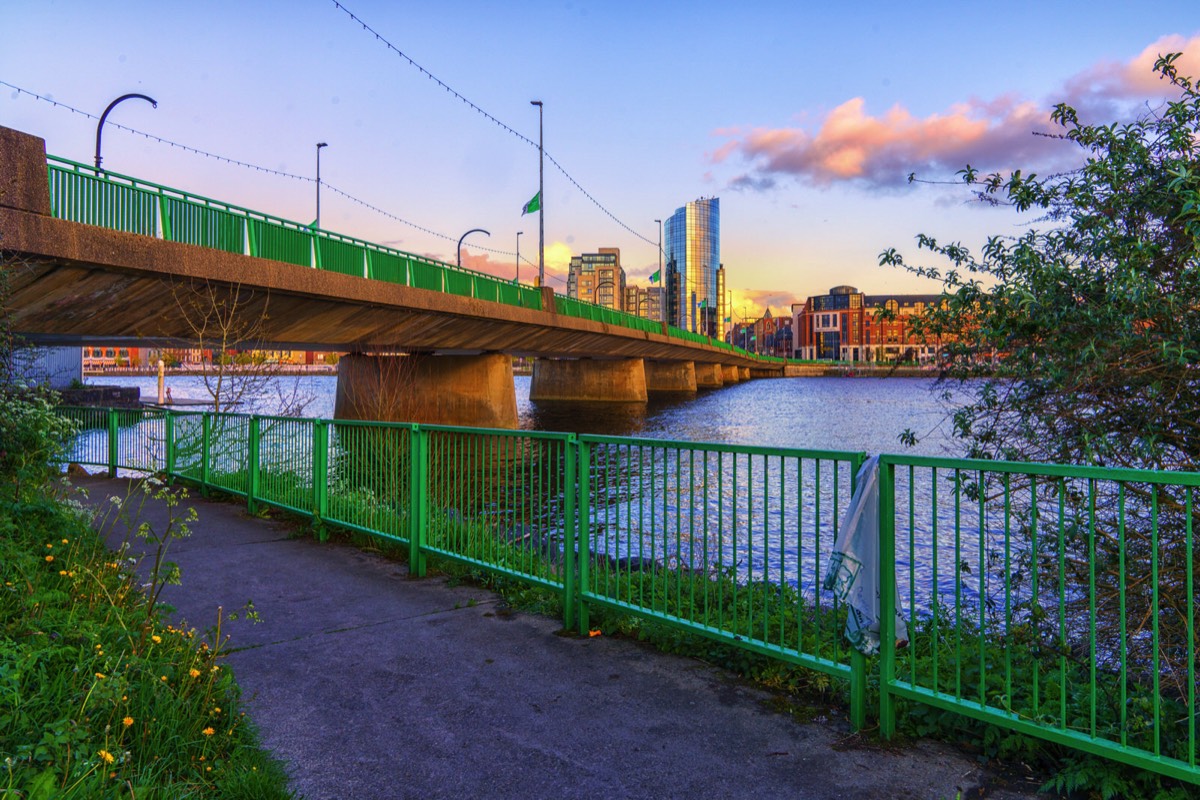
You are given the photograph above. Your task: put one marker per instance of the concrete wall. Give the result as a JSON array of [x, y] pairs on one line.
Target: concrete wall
[[475, 391], [670, 376], [585, 379], [708, 376]]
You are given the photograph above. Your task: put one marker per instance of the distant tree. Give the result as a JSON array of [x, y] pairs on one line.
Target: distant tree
[[1094, 321], [1078, 342], [230, 321]]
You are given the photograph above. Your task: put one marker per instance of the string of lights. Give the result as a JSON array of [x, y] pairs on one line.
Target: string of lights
[[247, 165], [522, 137]]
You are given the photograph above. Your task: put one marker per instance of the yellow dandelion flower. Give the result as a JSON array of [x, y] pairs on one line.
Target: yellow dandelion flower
[[49, 559], [106, 756], [163, 678], [62, 572], [217, 710], [208, 731], [99, 647], [195, 673], [156, 639], [49, 546], [208, 769], [71, 573], [101, 675], [66, 541], [127, 722]]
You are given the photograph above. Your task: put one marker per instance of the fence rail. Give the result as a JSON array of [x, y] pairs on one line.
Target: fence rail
[[1058, 602]]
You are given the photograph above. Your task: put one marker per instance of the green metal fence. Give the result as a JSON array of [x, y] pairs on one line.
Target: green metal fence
[[1058, 602], [80, 193], [725, 541], [1054, 601]]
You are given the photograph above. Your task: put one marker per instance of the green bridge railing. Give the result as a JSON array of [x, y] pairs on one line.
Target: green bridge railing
[[1058, 602], [80, 193]]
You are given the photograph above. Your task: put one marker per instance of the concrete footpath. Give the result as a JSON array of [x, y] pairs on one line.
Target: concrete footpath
[[370, 685]]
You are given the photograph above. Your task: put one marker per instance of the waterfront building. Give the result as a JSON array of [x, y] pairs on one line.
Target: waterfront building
[[646, 303], [847, 325], [598, 278], [695, 278]]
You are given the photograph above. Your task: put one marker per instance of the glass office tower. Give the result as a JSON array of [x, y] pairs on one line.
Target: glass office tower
[[692, 251]]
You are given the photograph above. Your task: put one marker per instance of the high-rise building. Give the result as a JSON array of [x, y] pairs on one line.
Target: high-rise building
[[647, 303], [692, 248], [598, 278]]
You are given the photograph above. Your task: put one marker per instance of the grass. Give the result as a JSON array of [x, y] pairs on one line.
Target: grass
[[99, 696]]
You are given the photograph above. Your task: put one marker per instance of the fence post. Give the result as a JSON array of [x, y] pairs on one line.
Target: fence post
[[320, 477], [114, 448], [418, 499], [887, 597], [252, 466], [205, 439], [570, 528], [169, 444], [584, 449]]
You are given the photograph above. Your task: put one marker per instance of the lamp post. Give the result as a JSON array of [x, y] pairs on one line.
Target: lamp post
[[661, 283], [104, 116], [542, 200], [465, 235], [517, 280], [317, 224], [598, 287]]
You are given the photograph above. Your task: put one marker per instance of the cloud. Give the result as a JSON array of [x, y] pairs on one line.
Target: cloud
[[752, 304], [852, 145]]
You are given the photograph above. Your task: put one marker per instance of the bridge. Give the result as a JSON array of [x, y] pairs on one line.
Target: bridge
[[99, 258]]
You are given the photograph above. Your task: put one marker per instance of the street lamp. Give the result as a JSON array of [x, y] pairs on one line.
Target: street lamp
[[661, 282], [317, 224], [598, 287], [104, 116], [542, 200], [518, 278], [465, 235]]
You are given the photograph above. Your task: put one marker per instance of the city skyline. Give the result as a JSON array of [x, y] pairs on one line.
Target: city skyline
[[805, 122]]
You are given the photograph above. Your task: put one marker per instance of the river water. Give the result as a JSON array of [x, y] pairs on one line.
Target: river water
[[855, 414]]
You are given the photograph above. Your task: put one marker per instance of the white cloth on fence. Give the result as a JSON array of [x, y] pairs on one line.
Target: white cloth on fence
[[853, 573]]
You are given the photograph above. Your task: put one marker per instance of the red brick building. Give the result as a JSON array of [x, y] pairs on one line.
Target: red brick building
[[847, 325]]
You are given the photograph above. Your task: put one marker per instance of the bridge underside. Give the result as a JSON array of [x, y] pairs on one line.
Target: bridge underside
[[75, 284]]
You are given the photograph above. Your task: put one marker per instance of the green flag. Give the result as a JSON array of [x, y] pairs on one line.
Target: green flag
[[727, 319], [533, 205], [704, 303], [654, 278]]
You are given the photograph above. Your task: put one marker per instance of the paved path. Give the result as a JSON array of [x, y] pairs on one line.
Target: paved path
[[371, 685]]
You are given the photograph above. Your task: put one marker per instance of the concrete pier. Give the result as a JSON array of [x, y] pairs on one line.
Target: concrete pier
[[708, 376], [586, 379], [670, 376], [475, 391], [743, 373], [730, 373]]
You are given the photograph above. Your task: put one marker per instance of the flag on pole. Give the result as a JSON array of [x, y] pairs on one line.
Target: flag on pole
[[704, 303], [655, 277], [533, 205]]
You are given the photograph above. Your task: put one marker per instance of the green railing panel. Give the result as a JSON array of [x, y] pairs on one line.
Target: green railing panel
[[1055, 601], [341, 256], [280, 243], [459, 283], [487, 289], [369, 475], [101, 201], [286, 463], [426, 275], [214, 228], [390, 267]]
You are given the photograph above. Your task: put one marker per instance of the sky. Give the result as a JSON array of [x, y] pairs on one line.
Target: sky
[[805, 120]]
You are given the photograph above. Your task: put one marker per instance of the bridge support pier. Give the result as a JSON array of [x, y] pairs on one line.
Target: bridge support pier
[[617, 381], [743, 373], [708, 376], [730, 373], [670, 376], [474, 391]]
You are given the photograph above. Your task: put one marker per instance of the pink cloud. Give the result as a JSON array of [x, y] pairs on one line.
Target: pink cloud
[[851, 144]]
